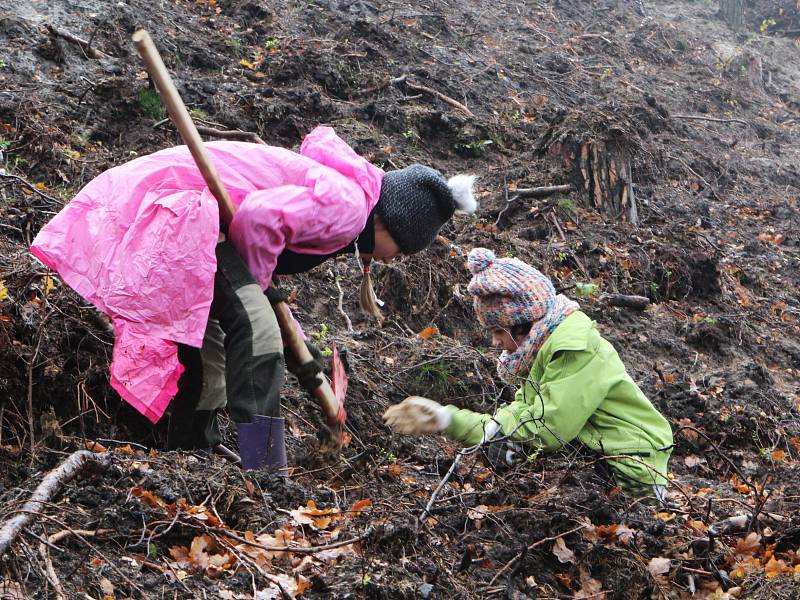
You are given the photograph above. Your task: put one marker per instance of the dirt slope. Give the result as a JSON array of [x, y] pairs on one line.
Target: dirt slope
[[511, 92]]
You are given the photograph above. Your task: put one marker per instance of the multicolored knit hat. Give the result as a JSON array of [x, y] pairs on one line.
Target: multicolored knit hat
[[507, 291]]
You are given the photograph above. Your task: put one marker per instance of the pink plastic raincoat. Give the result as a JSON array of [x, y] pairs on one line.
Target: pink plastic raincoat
[[138, 241]]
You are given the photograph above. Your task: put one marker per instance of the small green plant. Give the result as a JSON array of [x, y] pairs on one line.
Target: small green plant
[[562, 257], [4, 144], [150, 104], [409, 134], [365, 579], [320, 335], [234, 44], [388, 456], [566, 206], [152, 550], [198, 113], [272, 43], [534, 455], [710, 320], [586, 290], [473, 147], [326, 352], [606, 73], [3, 65], [765, 25]]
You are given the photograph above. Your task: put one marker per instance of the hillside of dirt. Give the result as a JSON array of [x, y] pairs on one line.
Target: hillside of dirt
[[701, 120]]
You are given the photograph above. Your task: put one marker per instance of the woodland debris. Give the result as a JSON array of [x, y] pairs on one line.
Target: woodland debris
[[701, 118], [436, 94], [74, 464], [84, 45], [543, 191], [625, 301], [243, 136]]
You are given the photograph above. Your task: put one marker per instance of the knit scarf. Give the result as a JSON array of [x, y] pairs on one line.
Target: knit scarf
[[512, 367]]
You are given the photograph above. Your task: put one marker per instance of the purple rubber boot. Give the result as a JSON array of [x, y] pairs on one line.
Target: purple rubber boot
[[276, 445], [253, 443]]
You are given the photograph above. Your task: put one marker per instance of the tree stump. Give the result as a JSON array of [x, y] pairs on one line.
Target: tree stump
[[601, 173], [732, 12]]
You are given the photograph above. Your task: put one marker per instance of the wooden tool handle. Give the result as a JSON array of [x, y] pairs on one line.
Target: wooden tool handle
[[183, 122], [292, 338]]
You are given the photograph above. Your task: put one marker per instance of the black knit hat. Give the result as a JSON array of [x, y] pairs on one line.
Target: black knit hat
[[416, 201]]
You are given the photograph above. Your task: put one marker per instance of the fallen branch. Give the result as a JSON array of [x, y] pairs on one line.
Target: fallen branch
[[244, 136], [51, 541], [434, 93], [699, 118], [52, 482], [31, 187], [543, 191], [84, 45], [621, 300]]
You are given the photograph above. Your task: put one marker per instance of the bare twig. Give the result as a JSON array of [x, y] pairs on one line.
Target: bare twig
[[341, 309], [84, 45], [31, 187], [699, 118], [543, 191], [55, 538], [30, 384], [74, 464], [435, 94], [529, 548], [244, 136]]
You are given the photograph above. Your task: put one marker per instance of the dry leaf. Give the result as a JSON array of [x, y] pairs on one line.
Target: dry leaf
[[106, 587], [393, 470], [658, 566], [665, 516], [148, 497], [773, 568], [693, 460], [361, 505], [697, 525], [749, 544], [563, 554], [778, 455], [96, 447], [428, 332]]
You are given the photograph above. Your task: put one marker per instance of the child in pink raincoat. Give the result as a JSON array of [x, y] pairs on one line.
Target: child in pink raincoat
[[142, 242]]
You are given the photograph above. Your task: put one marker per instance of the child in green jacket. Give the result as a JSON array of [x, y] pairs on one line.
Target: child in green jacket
[[573, 384]]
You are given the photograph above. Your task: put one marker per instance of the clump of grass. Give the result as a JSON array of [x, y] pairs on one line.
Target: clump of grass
[[150, 104]]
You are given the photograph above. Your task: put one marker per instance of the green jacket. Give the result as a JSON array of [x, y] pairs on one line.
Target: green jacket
[[584, 394]]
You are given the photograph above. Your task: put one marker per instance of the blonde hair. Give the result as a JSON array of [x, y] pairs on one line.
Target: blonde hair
[[367, 300]]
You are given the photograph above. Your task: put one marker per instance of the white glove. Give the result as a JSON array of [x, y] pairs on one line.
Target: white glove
[[416, 415]]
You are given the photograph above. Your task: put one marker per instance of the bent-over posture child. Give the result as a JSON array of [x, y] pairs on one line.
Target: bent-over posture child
[[142, 241], [574, 386]]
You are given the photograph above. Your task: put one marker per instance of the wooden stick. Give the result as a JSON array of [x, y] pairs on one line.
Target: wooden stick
[[180, 116], [245, 136], [83, 44], [440, 96], [543, 191], [74, 464], [621, 300], [699, 118]]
